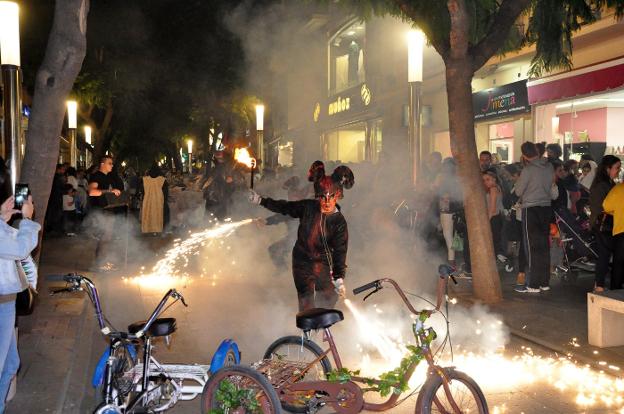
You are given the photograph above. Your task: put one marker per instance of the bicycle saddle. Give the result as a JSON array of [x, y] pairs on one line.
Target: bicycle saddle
[[160, 327], [318, 318]]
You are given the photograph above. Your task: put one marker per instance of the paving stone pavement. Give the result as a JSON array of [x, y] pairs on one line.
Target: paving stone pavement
[[59, 344]]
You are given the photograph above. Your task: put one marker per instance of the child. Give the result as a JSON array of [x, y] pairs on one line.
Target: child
[[69, 210], [494, 204]]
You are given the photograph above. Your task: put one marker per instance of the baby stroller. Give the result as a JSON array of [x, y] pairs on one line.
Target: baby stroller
[[576, 242]]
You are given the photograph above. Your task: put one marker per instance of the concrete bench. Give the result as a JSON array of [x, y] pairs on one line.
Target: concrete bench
[[605, 318]]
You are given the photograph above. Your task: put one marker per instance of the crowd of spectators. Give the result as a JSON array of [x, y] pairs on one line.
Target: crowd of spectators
[[545, 213]]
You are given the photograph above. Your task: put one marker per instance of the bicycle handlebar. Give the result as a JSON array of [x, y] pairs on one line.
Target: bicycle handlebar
[[371, 285], [76, 280], [444, 271]]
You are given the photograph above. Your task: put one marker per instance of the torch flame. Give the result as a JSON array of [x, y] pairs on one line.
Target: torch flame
[[242, 155]]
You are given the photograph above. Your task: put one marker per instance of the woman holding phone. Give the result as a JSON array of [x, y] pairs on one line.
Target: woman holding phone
[[15, 245]]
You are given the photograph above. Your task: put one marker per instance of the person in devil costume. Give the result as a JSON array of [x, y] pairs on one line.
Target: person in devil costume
[[320, 252]]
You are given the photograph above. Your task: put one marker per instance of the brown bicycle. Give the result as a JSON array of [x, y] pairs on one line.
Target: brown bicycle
[[302, 374]]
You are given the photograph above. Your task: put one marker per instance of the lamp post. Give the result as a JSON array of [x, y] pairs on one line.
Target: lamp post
[[72, 125], [189, 144], [260, 132], [87, 131], [10, 62], [415, 46]]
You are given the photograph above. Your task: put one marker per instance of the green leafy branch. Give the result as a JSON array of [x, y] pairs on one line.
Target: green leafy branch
[[230, 398], [394, 381]]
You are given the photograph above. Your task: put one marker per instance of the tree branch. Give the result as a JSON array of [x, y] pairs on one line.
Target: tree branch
[[508, 13]]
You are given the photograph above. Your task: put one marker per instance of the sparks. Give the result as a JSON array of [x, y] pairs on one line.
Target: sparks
[[168, 271], [497, 371]]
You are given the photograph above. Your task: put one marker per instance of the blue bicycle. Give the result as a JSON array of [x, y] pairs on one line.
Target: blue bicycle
[[129, 377]]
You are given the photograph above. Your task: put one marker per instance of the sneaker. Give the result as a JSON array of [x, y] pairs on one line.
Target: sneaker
[[545, 288], [526, 289], [464, 275]]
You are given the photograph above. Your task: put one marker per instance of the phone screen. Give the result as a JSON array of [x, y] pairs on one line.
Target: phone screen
[[21, 194]]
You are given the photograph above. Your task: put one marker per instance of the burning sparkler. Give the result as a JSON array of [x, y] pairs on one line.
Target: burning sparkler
[[169, 270], [242, 156]]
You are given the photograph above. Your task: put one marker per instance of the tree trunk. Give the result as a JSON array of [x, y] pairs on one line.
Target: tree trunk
[[65, 52], [486, 281]]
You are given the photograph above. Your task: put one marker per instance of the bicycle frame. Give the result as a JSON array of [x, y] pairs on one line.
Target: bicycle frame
[[393, 399]]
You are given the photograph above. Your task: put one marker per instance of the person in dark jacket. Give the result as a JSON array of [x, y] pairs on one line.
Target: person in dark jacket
[[320, 253], [606, 172]]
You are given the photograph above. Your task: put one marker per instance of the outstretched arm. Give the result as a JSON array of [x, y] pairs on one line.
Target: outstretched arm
[[293, 209]]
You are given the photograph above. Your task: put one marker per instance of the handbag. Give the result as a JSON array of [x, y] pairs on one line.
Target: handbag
[[25, 300]]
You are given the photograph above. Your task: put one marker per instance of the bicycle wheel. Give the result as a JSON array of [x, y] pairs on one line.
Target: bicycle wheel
[[464, 390], [239, 389], [122, 384], [292, 349]]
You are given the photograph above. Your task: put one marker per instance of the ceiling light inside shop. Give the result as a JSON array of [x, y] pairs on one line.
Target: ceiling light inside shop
[[589, 102]]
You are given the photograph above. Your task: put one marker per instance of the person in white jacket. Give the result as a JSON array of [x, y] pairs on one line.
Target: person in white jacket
[[15, 246]]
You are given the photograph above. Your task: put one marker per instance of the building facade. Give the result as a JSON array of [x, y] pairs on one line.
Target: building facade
[[348, 101]]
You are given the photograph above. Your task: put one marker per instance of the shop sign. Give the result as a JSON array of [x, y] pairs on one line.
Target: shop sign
[[351, 100], [506, 100], [339, 105]]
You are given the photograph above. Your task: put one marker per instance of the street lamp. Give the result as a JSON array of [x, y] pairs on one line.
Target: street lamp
[[87, 130], [189, 144], [260, 132], [10, 62], [415, 48], [72, 125]]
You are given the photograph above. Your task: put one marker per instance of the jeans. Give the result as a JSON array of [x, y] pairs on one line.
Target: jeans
[[9, 358], [535, 231], [604, 249], [617, 273], [496, 224], [446, 221]]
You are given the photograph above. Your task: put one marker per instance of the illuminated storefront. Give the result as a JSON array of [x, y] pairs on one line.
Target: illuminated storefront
[[582, 109], [502, 119]]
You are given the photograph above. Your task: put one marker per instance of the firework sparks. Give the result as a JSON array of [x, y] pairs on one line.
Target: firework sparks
[[497, 371], [170, 270]]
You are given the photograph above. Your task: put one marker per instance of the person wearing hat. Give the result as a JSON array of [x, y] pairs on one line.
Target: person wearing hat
[[320, 252]]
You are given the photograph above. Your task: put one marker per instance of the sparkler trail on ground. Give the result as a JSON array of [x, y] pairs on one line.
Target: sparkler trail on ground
[[496, 371], [170, 270]]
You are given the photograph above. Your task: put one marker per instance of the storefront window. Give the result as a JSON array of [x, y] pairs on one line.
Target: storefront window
[[376, 140], [357, 142], [346, 58], [285, 154], [502, 141], [588, 124]]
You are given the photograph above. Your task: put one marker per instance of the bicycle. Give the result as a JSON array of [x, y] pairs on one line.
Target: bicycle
[[129, 385], [302, 374]]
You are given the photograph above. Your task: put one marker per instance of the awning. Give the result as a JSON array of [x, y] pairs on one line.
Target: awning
[[584, 81]]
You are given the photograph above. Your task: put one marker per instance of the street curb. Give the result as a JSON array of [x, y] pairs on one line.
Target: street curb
[[561, 350]]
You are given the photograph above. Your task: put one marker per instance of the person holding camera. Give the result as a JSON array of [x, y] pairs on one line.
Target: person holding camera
[[15, 246]]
